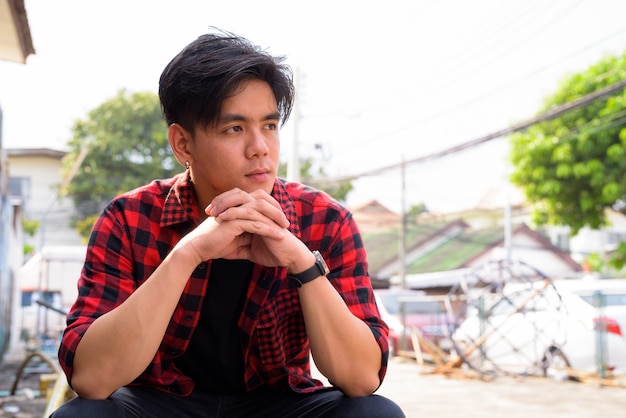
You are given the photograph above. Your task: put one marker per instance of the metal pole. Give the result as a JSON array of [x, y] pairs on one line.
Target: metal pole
[[403, 229], [598, 301], [293, 166]]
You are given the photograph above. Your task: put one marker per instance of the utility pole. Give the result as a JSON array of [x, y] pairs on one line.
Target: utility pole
[[508, 219], [293, 165], [403, 227]]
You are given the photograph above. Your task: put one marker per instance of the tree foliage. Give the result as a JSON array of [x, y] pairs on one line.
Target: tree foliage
[[337, 189], [30, 228], [126, 140], [573, 167]]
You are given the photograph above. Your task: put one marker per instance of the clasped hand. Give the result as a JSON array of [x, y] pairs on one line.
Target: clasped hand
[[242, 225]]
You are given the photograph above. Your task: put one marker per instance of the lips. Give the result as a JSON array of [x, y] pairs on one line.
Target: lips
[[259, 171], [259, 174]]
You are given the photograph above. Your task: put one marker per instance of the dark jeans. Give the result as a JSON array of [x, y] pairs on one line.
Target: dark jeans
[[150, 403]]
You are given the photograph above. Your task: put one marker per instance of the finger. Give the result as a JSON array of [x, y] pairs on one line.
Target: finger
[[232, 198], [274, 210], [260, 210], [263, 195], [237, 197], [265, 228]]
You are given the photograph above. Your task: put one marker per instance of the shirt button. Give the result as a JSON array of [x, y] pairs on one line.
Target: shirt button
[[188, 317], [202, 265]]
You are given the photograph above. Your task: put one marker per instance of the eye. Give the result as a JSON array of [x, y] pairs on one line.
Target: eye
[[271, 126], [234, 129]]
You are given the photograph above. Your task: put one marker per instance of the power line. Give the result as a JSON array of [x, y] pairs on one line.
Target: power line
[[488, 93], [446, 74], [550, 114], [478, 98]]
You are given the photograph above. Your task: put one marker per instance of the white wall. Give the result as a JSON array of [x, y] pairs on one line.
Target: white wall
[[44, 173], [589, 240], [15, 256], [55, 269]]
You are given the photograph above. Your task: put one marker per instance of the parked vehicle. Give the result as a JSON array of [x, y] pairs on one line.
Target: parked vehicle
[[408, 310], [546, 326]]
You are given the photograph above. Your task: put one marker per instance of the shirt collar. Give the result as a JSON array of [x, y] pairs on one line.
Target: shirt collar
[[180, 204], [281, 194]]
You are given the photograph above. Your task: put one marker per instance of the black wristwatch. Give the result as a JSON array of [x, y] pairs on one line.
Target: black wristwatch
[[316, 270]]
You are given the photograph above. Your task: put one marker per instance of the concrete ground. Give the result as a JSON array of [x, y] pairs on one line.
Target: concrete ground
[[422, 393]]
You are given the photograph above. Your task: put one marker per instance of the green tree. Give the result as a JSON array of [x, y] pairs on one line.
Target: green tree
[[30, 227], [414, 211], [127, 146], [337, 189], [573, 167]]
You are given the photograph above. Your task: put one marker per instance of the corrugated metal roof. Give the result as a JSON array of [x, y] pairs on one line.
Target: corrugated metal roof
[[444, 246]]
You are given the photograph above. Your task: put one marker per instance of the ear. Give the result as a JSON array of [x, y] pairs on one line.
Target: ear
[[179, 139]]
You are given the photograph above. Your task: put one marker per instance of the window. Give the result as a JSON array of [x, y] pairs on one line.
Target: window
[[20, 187]]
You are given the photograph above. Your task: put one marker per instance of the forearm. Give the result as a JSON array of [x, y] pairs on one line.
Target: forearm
[[120, 344], [342, 345]]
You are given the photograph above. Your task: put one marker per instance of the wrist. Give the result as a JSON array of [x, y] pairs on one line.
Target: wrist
[[301, 264], [186, 253], [314, 271]]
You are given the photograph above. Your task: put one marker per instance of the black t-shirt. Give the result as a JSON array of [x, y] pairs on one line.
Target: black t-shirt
[[214, 358]]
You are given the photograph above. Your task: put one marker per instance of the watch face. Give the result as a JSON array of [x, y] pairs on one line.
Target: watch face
[[321, 263]]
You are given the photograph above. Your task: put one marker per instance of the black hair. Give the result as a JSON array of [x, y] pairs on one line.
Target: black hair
[[195, 83]]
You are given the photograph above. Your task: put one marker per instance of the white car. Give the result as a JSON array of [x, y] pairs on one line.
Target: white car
[[545, 326]]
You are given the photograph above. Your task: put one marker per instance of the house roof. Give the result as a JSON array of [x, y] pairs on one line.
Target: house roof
[[456, 253], [373, 206], [16, 43], [383, 247], [542, 240], [374, 216], [35, 152], [445, 246]]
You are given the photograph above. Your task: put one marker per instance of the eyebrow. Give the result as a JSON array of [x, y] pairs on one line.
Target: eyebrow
[[232, 117]]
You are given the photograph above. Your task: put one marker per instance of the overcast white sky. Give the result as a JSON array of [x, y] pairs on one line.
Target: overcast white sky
[[377, 81]]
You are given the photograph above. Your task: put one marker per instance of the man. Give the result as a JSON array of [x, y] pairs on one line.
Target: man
[[203, 294]]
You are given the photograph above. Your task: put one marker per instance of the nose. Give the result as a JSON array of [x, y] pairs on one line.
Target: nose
[[257, 145]]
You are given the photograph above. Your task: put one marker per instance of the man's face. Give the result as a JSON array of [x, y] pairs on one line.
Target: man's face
[[242, 149]]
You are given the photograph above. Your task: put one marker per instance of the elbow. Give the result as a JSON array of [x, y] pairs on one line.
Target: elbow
[[360, 387], [93, 394], [89, 387]]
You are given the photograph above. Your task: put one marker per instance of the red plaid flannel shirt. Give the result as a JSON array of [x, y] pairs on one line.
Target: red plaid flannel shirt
[[138, 229]]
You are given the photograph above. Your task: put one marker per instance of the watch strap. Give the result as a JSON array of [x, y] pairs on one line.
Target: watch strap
[[319, 268]]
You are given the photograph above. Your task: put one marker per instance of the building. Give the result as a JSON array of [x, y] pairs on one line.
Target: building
[[447, 246], [35, 176], [15, 45], [48, 277]]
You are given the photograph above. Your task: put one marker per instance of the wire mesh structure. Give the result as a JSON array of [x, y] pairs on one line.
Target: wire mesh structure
[[507, 318]]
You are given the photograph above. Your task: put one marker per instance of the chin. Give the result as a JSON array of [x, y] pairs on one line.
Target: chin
[[267, 186]]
